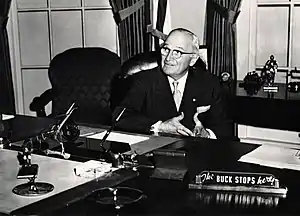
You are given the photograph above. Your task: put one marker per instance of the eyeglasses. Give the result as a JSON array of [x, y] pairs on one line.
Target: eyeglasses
[[175, 53]]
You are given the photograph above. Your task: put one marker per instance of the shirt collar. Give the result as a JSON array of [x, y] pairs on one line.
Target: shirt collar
[[181, 82]]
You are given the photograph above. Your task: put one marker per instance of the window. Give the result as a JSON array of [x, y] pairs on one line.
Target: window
[[45, 28], [277, 32]]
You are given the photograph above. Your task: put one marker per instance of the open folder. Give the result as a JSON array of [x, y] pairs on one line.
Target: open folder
[[274, 156]]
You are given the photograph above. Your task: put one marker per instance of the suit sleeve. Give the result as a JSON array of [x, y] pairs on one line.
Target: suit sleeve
[[133, 119], [219, 121]]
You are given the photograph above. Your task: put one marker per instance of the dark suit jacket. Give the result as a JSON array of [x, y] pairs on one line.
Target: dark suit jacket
[[150, 100]]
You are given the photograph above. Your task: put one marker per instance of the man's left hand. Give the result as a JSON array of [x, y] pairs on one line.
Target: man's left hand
[[199, 131]]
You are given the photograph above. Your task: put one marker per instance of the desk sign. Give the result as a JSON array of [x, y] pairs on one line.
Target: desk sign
[[238, 181]]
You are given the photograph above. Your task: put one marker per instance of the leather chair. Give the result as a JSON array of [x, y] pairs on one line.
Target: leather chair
[[123, 80], [83, 76]]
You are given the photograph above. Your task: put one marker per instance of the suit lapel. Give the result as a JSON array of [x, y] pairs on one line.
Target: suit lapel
[[164, 96], [190, 91], [193, 88]]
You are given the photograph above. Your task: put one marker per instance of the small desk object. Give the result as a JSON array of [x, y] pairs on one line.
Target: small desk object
[[238, 182], [29, 171]]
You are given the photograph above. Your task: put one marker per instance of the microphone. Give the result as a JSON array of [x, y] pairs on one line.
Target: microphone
[[67, 115], [111, 129]]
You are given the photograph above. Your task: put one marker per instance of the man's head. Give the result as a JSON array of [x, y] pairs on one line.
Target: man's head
[[179, 51]]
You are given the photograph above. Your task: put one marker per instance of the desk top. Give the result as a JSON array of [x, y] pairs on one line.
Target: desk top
[[21, 127], [148, 145], [57, 172]]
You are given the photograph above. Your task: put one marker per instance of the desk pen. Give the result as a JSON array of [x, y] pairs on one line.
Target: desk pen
[[112, 127]]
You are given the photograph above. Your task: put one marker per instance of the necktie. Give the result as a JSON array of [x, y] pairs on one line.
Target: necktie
[[176, 95]]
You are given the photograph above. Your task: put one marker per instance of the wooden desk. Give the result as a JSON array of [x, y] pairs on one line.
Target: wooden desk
[[169, 197]]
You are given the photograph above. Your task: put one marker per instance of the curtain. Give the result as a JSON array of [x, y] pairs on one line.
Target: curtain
[[221, 36], [160, 20], [132, 18], [7, 101]]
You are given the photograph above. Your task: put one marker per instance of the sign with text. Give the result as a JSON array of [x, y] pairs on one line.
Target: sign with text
[[239, 182], [237, 179]]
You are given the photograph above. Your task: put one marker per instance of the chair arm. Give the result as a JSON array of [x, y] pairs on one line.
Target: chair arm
[[38, 103]]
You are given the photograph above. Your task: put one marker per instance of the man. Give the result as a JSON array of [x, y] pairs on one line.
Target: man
[[175, 98]]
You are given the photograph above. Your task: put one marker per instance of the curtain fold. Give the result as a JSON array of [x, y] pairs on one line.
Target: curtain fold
[[221, 36], [7, 101], [160, 20], [132, 28]]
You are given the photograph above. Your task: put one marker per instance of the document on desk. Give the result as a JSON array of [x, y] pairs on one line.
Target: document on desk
[[274, 156], [6, 117], [120, 137]]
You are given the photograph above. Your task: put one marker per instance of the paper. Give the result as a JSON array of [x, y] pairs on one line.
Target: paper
[[6, 117], [274, 156], [93, 169], [120, 137]]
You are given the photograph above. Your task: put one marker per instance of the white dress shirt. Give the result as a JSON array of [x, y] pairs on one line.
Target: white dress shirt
[[181, 84]]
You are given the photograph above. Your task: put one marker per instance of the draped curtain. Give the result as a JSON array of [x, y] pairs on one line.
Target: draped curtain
[[160, 20], [7, 101], [221, 36], [132, 18]]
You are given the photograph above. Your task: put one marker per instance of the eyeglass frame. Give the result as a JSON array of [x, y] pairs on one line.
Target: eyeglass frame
[[176, 50]]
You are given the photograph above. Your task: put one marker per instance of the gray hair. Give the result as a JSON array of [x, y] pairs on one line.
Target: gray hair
[[195, 39]]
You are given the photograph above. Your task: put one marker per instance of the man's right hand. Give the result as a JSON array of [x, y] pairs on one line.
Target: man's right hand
[[174, 126]]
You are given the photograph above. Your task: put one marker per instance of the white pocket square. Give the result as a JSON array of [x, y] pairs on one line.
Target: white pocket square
[[202, 109]]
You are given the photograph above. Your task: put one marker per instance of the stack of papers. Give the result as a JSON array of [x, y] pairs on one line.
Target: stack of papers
[[274, 156], [93, 169]]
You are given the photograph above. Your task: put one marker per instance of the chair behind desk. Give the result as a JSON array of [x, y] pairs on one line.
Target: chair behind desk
[[83, 76], [123, 81]]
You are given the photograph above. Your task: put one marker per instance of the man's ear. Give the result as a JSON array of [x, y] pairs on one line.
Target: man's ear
[[194, 59]]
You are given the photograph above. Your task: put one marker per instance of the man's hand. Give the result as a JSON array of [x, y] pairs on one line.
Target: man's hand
[[174, 126], [199, 130]]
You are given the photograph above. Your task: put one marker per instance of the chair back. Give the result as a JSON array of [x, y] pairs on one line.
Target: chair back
[[83, 76], [123, 81]]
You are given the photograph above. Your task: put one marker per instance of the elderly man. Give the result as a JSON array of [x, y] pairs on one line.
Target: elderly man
[[175, 98]]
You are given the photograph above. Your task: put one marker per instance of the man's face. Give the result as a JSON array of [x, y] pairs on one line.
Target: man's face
[[172, 66]]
